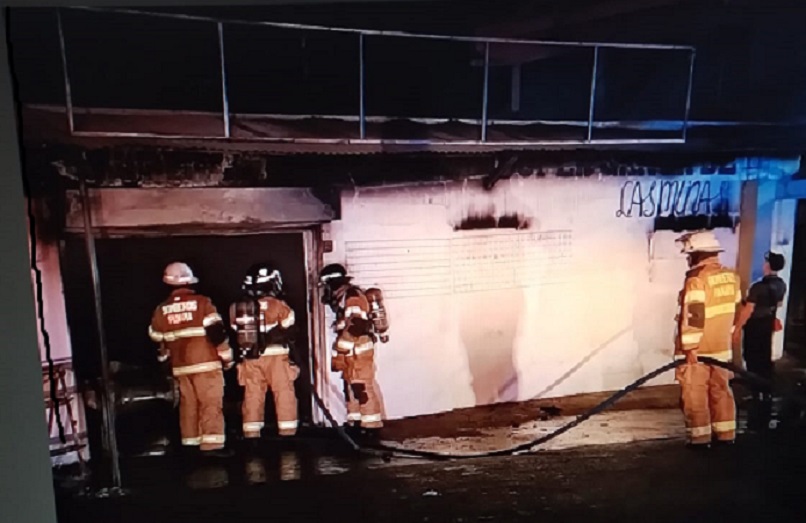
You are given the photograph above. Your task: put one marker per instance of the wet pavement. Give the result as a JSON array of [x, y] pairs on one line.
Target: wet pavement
[[606, 428], [758, 479]]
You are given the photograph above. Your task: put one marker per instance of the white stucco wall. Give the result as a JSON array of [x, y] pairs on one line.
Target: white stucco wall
[[782, 242], [53, 300], [55, 324], [581, 301]]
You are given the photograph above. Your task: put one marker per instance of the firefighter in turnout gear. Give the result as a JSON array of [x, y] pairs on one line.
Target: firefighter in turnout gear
[[707, 312], [192, 335], [264, 324], [361, 321]]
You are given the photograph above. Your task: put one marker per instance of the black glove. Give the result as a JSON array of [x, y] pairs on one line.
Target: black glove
[[216, 333]]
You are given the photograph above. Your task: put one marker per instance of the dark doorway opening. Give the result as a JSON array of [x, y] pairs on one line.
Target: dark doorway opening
[[130, 271], [795, 330]]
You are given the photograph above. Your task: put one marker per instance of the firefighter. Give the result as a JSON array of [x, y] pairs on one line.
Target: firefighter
[[757, 321], [708, 304], [361, 322], [264, 324], [192, 335]]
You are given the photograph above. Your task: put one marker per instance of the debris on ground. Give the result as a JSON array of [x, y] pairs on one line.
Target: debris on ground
[[621, 427]]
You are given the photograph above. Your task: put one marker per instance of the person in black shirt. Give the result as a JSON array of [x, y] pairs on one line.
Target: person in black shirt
[[757, 321]]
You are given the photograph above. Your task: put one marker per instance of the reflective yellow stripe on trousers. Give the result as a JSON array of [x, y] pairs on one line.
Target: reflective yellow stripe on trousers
[[698, 432], [253, 426], [723, 426], [725, 356], [691, 338]]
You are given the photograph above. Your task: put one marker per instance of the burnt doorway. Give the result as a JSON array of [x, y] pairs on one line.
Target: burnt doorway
[[130, 271], [795, 330]]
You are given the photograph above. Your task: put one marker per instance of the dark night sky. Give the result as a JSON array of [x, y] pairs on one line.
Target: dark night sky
[[140, 62]]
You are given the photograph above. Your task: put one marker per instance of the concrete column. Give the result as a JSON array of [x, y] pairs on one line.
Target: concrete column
[[782, 242], [747, 228], [766, 224], [763, 234]]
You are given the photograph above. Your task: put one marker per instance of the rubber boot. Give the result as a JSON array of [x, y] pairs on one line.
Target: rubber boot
[[250, 446], [189, 456], [352, 430], [371, 435], [218, 453]]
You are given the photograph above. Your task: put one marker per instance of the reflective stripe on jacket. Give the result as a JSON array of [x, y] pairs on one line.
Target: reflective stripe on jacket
[[179, 323], [707, 310]]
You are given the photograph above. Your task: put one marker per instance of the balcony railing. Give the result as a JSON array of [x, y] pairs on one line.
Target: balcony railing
[[389, 73]]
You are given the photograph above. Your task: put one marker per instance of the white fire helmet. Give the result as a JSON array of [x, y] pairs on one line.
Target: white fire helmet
[[178, 274], [699, 241]]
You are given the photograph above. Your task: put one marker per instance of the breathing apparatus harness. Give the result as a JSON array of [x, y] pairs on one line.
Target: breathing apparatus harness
[[249, 349], [261, 280]]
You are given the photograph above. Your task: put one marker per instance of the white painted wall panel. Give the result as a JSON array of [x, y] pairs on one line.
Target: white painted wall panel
[[55, 324], [577, 302]]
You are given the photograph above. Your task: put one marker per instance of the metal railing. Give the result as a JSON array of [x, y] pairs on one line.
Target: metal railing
[[362, 35]]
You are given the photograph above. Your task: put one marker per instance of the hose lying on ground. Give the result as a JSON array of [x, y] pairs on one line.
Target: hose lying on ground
[[376, 449]]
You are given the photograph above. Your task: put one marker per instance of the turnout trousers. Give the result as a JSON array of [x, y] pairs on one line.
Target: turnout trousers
[[201, 409], [363, 403], [707, 403], [273, 372]]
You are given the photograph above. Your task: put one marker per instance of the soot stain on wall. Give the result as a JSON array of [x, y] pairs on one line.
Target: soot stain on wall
[[691, 223], [489, 221]]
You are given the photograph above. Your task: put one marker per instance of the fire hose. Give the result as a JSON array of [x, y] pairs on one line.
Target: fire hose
[[387, 451]]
